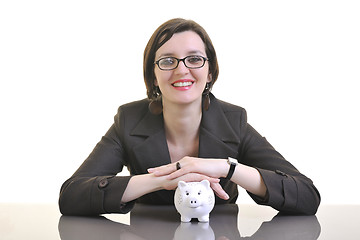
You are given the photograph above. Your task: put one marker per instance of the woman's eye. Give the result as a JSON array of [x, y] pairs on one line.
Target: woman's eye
[[195, 59], [167, 61]]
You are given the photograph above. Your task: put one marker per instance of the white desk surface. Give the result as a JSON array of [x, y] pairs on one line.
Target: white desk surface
[[42, 221]]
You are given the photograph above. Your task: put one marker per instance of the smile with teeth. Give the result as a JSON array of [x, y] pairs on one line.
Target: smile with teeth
[[182, 84]]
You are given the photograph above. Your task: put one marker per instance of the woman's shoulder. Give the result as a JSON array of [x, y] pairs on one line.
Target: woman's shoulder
[[137, 105], [133, 110], [228, 107], [231, 112]]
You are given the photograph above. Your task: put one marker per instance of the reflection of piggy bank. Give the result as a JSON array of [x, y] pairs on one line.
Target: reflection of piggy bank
[[194, 200], [198, 231]]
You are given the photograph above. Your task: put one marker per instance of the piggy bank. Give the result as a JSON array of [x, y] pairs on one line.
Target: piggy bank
[[194, 200]]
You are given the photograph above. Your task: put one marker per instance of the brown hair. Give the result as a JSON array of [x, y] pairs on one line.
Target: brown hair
[[161, 35]]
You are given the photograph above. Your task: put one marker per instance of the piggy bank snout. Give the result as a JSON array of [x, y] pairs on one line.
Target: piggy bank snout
[[194, 202]]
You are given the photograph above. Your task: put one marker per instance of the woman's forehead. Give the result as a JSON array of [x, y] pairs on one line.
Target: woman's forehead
[[181, 45]]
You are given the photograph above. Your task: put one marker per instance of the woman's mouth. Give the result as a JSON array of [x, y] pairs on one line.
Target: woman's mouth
[[183, 84]]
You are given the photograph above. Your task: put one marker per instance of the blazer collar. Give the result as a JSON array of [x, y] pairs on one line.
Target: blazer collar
[[150, 124], [214, 121], [217, 137]]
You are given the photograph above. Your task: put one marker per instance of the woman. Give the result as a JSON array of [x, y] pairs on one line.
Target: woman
[[182, 132]]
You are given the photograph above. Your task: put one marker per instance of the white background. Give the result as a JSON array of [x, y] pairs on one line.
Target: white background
[[65, 67]]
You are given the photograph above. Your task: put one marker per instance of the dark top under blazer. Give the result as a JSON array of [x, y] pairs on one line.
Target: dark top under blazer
[[137, 140]]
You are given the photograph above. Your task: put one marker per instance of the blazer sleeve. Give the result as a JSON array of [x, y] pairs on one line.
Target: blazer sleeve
[[288, 190], [94, 188]]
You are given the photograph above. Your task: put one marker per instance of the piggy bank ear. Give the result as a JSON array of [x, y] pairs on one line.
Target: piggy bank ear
[[205, 183], [181, 184]]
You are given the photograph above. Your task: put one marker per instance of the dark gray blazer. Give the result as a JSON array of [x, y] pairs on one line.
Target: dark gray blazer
[[137, 140]]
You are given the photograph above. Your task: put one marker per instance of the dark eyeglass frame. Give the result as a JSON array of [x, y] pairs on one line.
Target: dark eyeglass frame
[[181, 60]]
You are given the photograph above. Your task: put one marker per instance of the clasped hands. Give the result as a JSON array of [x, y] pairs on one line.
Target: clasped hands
[[193, 170]]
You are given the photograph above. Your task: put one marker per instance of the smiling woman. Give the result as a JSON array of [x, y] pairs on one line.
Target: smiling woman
[[189, 136], [188, 75]]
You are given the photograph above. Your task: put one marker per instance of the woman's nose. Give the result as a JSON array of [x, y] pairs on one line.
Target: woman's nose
[[181, 68]]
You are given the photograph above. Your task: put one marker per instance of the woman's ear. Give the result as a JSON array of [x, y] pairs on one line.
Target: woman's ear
[[156, 83], [209, 78]]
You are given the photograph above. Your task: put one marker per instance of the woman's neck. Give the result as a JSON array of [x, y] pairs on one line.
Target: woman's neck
[[182, 122]]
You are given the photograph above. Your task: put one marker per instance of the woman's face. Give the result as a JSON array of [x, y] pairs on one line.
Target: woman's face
[[182, 85]]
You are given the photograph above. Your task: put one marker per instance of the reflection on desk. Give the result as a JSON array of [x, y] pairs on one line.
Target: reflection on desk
[[163, 222]]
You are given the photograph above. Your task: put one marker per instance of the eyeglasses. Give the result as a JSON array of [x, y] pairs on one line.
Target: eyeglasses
[[171, 63]]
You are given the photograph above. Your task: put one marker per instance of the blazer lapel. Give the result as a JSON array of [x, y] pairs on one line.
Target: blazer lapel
[[217, 137], [153, 151]]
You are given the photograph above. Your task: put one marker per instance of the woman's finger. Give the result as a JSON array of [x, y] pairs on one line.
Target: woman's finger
[[172, 167], [219, 191], [196, 177], [190, 177], [178, 173], [163, 170]]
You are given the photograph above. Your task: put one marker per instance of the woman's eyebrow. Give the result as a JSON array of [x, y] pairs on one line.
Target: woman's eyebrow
[[166, 55], [196, 52]]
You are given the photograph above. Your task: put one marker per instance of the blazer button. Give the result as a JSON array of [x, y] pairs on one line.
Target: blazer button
[[103, 183], [280, 173]]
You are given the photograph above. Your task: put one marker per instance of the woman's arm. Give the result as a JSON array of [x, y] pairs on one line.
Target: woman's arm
[[250, 179], [94, 188], [140, 185], [247, 177], [262, 171]]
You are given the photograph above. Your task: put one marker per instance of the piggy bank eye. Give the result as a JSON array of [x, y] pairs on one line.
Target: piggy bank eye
[[199, 193], [187, 193]]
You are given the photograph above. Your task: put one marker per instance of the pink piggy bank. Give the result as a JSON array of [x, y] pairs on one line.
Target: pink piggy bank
[[194, 200]]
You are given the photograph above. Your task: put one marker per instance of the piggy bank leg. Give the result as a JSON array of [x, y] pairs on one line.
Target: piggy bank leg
[[185, 219], [204, 218]]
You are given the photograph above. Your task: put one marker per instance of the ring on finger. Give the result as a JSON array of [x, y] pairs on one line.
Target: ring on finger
[[178, 166]]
